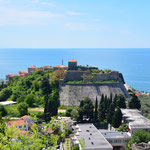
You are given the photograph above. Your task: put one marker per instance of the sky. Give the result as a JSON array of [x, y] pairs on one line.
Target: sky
[[74, 24]]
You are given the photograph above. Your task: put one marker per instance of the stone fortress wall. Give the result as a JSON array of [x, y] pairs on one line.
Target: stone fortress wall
[[72, 94], [75, 75]]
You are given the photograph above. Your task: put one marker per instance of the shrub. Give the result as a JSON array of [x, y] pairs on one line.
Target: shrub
[[3, 111], [23, 108]]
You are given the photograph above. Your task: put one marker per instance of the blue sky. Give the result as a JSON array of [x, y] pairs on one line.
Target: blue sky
[[74, 24]]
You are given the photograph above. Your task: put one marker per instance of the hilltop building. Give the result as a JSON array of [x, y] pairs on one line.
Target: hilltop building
[[72, 64], [31, 69]]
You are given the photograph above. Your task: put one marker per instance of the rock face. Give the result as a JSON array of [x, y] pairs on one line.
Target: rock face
[[72, 94]]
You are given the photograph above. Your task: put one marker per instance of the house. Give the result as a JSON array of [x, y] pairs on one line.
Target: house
[[23, 123], [22, 72], [20, 124], [32, 69], [60, 67], [9, 77]]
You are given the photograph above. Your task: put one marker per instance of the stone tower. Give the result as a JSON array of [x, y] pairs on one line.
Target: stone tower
[[72, 65]]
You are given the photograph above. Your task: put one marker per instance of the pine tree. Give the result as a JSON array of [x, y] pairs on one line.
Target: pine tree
[[117, 118], [96, 110]]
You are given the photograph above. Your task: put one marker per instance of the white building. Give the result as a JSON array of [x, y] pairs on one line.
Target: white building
[[135, 120], [93, 139]]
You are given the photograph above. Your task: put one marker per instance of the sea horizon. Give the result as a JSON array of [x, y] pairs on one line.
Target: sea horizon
[[131, 62]]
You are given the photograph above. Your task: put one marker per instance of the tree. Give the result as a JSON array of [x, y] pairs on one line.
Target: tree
[[22, 108], [101, 109], [87, 77], [86, 109], [134, 102], [3, 111], [139, 136], [121, 101], [96, 110], [5, 94], [110, 113], [30, 100], [75, 114], [45, 86], [123, 128], [117, 118], [53, 104]]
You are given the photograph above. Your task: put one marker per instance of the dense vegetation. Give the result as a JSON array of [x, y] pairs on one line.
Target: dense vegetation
[[11, 138], [39, 89]]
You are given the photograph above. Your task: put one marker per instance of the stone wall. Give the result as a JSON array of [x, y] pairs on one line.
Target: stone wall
[[71, 94], [77, 76]]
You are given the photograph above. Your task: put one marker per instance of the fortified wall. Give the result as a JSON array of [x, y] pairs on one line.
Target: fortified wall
[[71, 94]]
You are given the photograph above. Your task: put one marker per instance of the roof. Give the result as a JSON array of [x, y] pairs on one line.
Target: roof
[[32, 67], [25, 117], [60, 66], [72, 60], [23, 72], [135, 118], [17, 122], [49, 131], [115, 134], [93, 138], [47, 67], [13, 75]]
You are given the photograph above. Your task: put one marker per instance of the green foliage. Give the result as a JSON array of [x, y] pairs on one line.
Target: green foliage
[[91, 82], [3, 111], [120, 101], [68, 112], [138, 137], [102, 109], [30, 100], [145, 104], [123, 128], [96, 110], [134, 102], [5, 94], [22, 108], [117, 118], [87, 77], [76, 148], [75, 114], [86, 109]]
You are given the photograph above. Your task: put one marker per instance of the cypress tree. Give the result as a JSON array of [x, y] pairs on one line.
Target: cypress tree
[[110, 113], [117, 118], [134, 102], [45, 86], [101, 109], [96, 110]]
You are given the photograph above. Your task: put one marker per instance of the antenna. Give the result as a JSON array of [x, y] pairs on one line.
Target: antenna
[[62, 62]]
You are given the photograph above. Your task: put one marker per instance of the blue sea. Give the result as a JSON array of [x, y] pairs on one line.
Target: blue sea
[[133, 63]]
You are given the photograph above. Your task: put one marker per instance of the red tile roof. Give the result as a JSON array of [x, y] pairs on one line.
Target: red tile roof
[[25, 117], [17, 122], [23, 72], [72, 60], [60, 66], [13, 75], [32, 67], [47, 67]]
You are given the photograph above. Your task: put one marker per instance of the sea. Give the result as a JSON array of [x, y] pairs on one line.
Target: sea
[[133, 63]]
